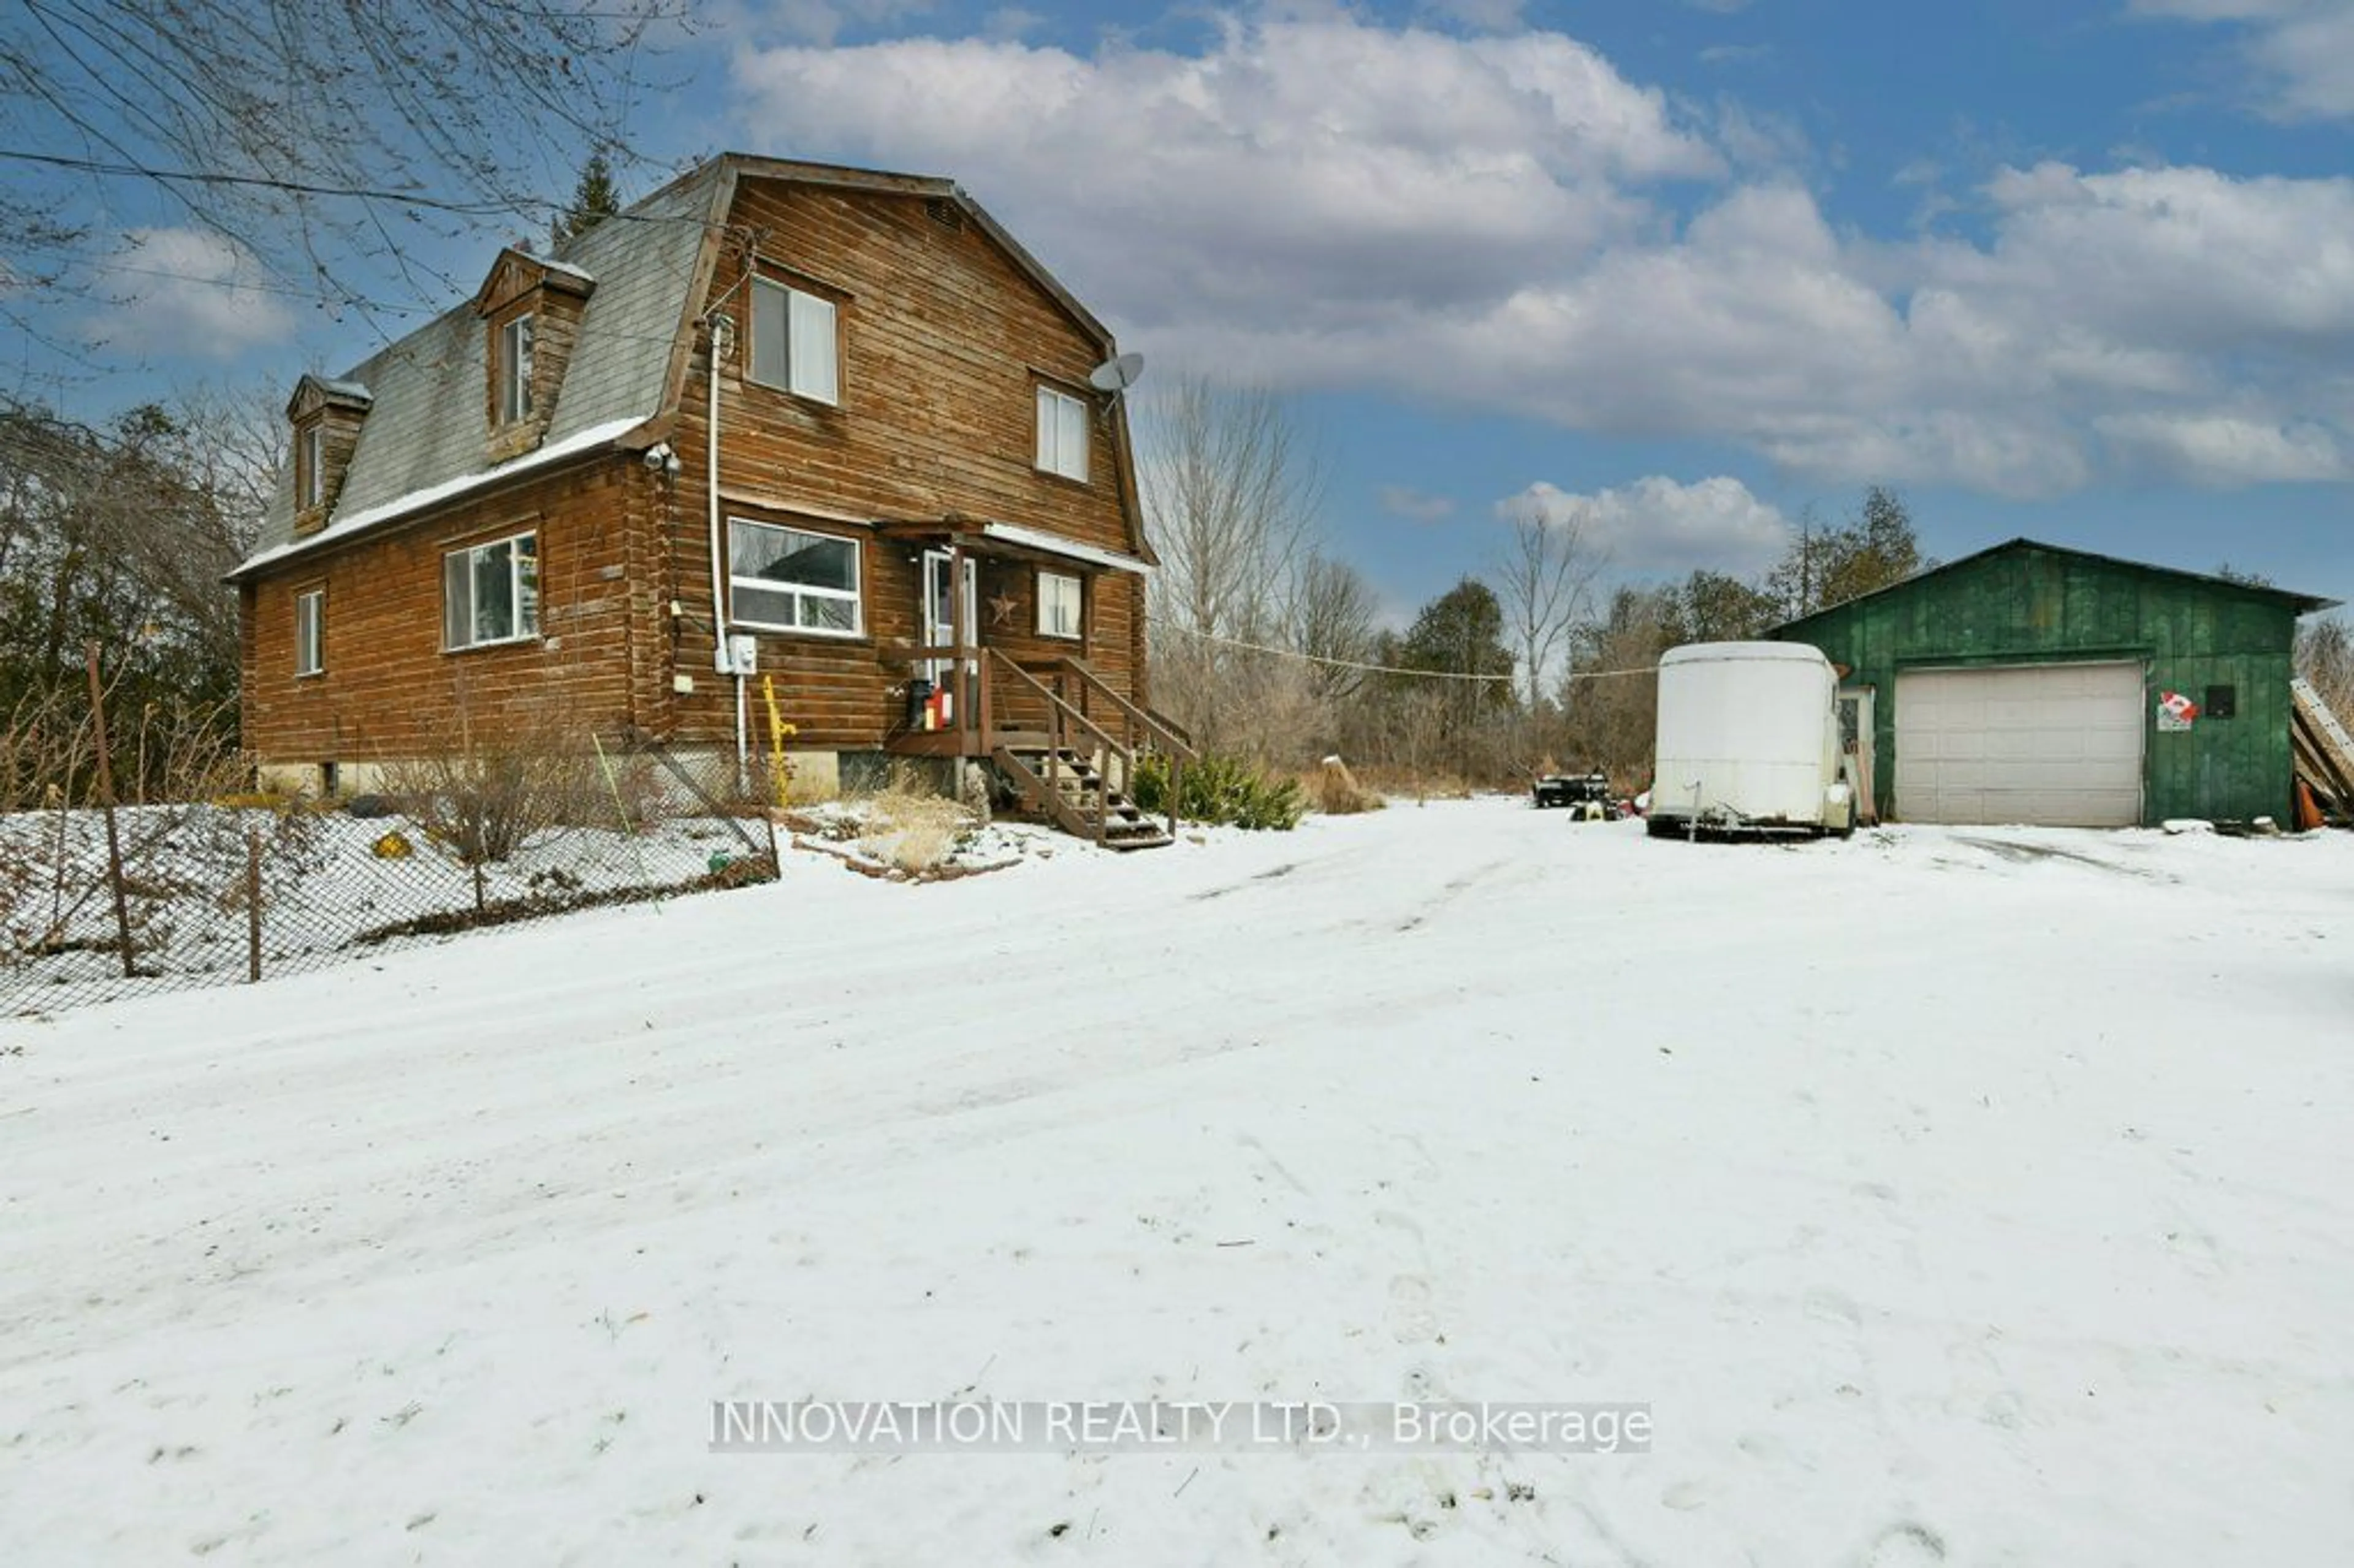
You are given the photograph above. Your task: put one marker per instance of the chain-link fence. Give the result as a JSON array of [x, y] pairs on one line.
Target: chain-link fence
[[98, 904]]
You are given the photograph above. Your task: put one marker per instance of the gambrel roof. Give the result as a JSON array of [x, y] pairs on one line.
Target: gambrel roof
[[643, 270]]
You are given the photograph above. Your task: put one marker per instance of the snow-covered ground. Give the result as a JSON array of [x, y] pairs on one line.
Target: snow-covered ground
[[1978, 1195], [328, 892]]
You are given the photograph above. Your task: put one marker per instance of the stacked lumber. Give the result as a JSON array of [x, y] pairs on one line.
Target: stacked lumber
[[2325, 755]]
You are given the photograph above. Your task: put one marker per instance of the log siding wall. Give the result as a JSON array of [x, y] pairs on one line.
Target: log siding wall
[[942, 341]]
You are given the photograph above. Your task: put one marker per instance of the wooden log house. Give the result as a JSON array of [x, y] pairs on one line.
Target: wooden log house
[[826, 430]]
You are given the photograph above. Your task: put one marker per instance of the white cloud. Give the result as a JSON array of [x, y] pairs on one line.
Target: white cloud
[[2301, 52], [1415, 505], [822, 21], [1009, 22], [1491, 16], [1507, 223], [189, 293], [1299, 171], [1657, 526], [2215, 449]]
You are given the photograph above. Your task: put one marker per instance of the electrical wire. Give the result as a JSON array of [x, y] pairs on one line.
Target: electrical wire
[[516, 206], [1377, 668]]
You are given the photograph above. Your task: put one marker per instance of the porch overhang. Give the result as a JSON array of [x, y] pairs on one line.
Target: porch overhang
[[980, 536]]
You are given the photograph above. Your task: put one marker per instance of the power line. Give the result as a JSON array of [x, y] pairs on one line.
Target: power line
[[1377, 668], [510, 207], [288, 187]]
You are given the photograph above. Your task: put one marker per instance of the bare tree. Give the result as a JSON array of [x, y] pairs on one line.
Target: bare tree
[[2325, 657], [296, 135], [1231, 491], [224, 447], [1543, 582], [124, 534], [1332, 613], [1610, 694]]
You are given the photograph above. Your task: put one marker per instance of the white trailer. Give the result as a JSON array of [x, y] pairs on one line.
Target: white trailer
[[1748, 741]]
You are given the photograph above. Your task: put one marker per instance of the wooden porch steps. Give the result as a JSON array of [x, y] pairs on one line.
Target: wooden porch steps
[[1065, 784]]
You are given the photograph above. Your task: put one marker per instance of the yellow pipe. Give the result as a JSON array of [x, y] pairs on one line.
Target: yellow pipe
[[780, 773]]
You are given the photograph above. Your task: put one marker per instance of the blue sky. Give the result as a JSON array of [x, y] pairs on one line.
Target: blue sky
[[1685, 272]]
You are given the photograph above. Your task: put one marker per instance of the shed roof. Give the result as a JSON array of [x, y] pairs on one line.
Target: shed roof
[[2300, 603]]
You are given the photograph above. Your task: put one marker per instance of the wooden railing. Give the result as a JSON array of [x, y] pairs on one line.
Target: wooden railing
[[1077, 704], [1065, 724], [1076, 682], [992, 697]]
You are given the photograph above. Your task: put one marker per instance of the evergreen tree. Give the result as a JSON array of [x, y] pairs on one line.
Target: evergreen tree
[[1829, 566], [594, 199], [1461, 632]]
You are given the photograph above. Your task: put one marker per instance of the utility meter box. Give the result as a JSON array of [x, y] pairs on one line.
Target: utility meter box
[[742, 656]]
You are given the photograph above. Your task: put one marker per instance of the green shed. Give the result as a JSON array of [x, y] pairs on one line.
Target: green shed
[[2032, 683]]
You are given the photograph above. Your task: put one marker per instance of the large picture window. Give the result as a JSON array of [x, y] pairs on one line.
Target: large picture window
[[793, 345], [787, 579], [1062, 434], [490, 593]]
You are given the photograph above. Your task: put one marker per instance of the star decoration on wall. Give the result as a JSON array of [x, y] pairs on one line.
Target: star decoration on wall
[[1001, 609]]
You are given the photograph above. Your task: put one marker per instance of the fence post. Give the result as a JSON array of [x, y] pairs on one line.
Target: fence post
[[253, 906], [106, 801]]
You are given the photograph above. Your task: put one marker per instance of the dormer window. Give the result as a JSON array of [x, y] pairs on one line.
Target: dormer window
[[310, 467], [326, 416], [515, 371], [531, 311]]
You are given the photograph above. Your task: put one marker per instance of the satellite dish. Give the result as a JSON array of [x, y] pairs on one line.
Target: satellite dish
[[1117, 375]]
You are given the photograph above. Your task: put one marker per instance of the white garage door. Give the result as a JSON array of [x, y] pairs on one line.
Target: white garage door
[[2054, 744]]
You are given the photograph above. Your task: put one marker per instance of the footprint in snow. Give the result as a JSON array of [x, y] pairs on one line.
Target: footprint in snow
[[1905, 1544], [1413, 1315]]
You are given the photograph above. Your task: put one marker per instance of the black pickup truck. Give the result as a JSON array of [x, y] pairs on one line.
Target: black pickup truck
[[1573, 789]]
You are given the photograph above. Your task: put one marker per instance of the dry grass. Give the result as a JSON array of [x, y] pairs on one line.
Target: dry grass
[[1417, 785], [1337, 793], [914, 827]]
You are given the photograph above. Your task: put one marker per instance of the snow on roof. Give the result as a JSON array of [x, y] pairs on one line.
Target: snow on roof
[[346, 524], [424, 432], [1056, 545]]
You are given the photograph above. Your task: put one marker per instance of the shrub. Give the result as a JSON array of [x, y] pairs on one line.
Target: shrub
[[1219, 789], [488, 796]]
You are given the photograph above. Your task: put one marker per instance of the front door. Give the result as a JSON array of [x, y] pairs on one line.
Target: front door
[[937, 631], [1856, 742]]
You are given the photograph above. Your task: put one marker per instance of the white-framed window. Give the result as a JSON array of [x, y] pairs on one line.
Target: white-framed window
[[788, 579], [793, 343], [310, 631], [310, 467], [515, 370], [490, 593], [1059, 599], [1062, 434]]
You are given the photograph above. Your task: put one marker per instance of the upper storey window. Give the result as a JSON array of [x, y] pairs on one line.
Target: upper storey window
[[795, 343]]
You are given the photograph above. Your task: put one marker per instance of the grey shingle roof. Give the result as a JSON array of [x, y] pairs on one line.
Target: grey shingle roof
[[423, 440], [424, 427]]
